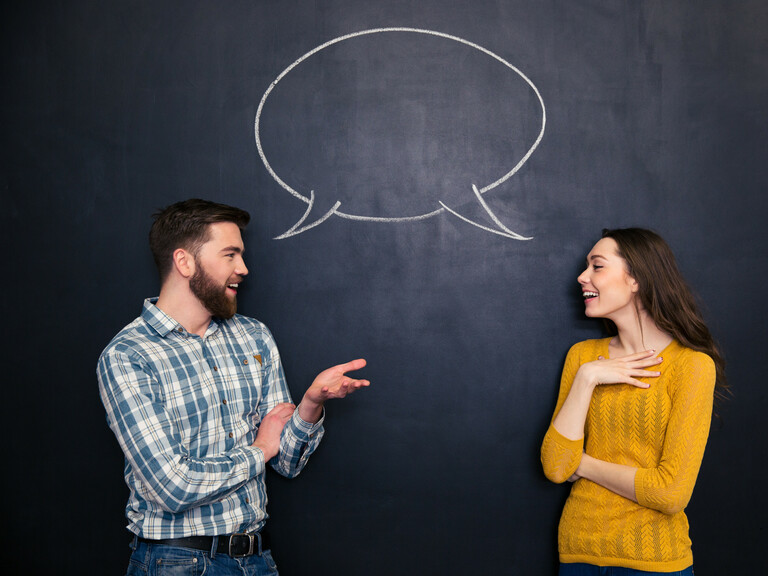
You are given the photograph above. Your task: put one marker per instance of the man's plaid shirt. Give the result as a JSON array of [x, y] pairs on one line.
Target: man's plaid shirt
[[185, 410]]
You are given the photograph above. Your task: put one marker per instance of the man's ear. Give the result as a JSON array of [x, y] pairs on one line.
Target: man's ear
[[184, 262]]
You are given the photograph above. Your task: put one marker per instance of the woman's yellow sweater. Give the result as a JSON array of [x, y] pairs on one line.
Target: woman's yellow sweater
[[661, 431]]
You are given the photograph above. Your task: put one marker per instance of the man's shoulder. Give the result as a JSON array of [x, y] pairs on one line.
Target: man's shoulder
[[136, 334], [253, 334], [247, 325], [245, 322]]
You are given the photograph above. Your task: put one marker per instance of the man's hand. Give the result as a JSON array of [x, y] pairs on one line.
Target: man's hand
[[271, 427], [330, 383]]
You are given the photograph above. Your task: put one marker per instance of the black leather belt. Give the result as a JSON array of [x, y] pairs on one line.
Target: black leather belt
[[236, 545]]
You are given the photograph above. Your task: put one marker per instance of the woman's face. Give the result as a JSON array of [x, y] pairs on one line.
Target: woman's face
[[608, 290]]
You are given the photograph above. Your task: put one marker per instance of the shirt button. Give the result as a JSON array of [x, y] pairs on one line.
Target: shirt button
[[245, 361], [215, 369], [231, 435], [179, 329], [224, 401]]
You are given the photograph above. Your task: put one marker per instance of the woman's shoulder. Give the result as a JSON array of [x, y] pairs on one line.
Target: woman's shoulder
[[689, 369], [687, 356], [595, 346]]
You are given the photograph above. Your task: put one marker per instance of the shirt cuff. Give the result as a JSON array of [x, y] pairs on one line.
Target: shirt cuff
[[305, 431], [252, 457]]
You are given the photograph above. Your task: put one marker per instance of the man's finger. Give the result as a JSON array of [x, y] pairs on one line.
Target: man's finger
[[353, 365]]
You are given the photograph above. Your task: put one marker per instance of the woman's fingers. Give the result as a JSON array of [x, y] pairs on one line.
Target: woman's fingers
[[625, 370]]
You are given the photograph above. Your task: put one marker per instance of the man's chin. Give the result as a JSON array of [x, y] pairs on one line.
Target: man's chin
[[223, 310]]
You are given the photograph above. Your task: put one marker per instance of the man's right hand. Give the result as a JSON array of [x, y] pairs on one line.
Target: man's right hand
[[270, 429]]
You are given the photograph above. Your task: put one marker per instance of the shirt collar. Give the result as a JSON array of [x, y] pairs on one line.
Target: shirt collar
[[164, 324]]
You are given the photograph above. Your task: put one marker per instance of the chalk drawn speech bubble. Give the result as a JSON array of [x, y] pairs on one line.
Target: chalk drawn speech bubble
[[478, 191]]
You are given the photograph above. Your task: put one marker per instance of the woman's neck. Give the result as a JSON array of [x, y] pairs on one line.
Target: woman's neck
[[639, 334]]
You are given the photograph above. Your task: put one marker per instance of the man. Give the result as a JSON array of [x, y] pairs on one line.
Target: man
[[197, 399]]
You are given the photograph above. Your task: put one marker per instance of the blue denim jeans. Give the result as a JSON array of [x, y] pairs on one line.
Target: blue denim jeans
[[590, 570], [161, 560]]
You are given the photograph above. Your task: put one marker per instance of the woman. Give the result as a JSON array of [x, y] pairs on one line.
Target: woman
[[633, 414]]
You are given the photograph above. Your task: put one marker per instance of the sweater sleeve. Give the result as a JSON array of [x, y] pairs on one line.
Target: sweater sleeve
[[668, 486], [560, 456]]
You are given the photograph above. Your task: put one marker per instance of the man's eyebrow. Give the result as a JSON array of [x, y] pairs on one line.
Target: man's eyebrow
[[235, 249]]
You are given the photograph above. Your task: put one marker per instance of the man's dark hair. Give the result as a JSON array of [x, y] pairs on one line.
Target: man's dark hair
[[186, 225]]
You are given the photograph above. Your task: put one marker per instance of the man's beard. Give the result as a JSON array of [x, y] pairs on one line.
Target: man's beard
[[212, 295]]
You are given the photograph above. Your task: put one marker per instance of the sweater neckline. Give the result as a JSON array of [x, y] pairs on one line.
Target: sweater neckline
[[668, 348]]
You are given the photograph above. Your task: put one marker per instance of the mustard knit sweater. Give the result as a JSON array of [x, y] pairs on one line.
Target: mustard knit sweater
[[661, 431]]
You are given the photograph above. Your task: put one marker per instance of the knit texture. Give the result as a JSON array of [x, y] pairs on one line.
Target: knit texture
[[662, 431]]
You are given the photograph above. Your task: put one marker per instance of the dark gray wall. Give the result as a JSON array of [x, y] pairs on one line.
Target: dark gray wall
[[657, 116]]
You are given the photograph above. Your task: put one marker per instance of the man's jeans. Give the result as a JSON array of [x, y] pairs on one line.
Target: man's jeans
[[161, 560]]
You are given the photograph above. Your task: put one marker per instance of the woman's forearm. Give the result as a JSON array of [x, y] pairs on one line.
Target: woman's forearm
[[617, 478], [570, 419]]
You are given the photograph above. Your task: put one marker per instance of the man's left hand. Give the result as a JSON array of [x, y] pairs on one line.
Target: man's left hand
[[329, 384]]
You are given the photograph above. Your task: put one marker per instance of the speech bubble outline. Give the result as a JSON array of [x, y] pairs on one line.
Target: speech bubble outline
[[478, 192]]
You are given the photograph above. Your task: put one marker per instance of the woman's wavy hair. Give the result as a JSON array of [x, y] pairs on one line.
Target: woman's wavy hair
[[665, 294]]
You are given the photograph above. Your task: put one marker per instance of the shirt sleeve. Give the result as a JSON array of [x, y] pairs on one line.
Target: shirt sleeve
[[153, 446], [299, 438], [668, 486], [560, 456]]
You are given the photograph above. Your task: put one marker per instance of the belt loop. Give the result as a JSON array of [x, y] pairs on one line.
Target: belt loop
[[258, 536], [135, 542], [214, 544]]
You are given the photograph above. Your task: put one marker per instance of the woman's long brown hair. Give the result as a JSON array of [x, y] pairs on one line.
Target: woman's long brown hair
[[665, 294]]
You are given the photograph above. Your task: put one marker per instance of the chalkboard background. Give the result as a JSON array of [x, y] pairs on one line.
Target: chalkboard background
[[656, 115]]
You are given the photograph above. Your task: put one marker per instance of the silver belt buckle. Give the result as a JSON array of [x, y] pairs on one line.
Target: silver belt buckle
[[251, 540]]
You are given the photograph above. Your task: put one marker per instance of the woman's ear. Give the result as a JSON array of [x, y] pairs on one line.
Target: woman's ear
[[632, 283]]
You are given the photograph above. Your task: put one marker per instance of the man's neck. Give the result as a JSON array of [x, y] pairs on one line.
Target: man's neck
[[185, 308]]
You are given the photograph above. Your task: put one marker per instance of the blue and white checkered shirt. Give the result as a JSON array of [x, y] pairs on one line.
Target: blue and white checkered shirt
[[185, 410]]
